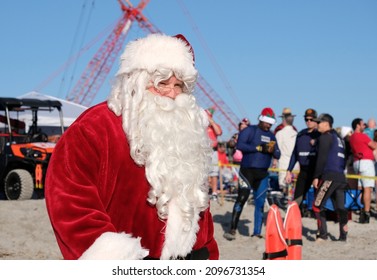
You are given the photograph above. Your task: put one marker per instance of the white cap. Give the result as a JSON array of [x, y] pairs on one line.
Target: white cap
[[345, 130]]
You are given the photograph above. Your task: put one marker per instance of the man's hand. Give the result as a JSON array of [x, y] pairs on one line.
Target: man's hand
[[315, 183], [267, 148], [288, 177]]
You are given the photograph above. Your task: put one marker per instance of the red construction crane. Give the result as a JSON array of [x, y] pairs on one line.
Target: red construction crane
[[99, 67]]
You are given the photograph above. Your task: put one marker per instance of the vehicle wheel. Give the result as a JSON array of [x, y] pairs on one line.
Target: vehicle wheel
[[18, 185]]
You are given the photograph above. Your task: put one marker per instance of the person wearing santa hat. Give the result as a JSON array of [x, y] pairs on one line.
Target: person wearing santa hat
[[258, 146], [128, 179]]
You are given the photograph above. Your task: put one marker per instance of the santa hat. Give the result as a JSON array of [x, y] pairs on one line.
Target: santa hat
[[268, 116], [158, 51]]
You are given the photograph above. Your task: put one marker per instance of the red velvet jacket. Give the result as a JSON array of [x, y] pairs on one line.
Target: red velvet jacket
[[94, 187]]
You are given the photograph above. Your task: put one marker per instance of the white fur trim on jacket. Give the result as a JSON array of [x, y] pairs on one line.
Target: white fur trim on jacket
[[115, 246], [157, 51]]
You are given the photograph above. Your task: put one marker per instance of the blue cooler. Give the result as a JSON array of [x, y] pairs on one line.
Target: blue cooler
[[309, 199]]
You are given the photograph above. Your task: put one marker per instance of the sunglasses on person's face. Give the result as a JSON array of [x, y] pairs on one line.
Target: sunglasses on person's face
[[309, 120]]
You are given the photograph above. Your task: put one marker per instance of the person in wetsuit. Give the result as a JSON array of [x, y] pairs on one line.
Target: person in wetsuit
[[329, 178], [258, 145]]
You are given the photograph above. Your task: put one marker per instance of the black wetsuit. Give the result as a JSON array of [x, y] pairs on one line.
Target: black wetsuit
[[329, 168]]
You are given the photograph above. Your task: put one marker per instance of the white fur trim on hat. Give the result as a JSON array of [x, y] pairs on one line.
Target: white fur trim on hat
[[158, 51], [267, 119], [115, 246]]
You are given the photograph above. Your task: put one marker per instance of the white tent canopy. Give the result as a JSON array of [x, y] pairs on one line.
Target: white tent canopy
[[71, 111]]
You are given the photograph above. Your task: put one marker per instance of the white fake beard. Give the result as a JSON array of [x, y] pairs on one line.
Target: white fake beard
[[172, 142]]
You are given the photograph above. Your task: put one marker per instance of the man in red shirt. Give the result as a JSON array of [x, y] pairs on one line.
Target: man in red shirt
[[362, 149]]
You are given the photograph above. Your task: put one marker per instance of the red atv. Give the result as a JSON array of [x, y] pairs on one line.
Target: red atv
[[25, 148]]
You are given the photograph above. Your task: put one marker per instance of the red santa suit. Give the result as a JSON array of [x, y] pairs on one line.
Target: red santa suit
[[97, 196], [109, 193]]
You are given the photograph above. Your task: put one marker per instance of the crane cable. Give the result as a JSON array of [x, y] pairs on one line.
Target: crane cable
[[73, 58], [75, 39], [81, 45], [212, 58]]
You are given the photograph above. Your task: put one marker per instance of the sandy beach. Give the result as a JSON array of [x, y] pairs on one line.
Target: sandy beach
[[26, 234]]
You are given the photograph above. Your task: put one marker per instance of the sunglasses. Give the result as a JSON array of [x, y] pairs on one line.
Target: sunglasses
[[309, 120]]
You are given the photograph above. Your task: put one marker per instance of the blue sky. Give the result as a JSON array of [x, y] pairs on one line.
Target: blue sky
[[253, 53]]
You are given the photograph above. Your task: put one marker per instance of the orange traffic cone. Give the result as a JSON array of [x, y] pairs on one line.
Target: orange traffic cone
[[293, 231], [276, 248]]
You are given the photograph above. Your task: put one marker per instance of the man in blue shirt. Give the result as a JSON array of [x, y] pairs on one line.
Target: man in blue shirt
[[304, 153], [258, 145]]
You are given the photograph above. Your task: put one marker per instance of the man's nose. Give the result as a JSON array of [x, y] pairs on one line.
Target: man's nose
[[170, 92]]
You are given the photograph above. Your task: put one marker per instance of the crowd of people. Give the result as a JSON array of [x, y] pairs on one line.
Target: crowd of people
[[319, 156]]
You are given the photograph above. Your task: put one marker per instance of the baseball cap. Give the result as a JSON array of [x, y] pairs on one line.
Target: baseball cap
[[310, 113], [325, 118]]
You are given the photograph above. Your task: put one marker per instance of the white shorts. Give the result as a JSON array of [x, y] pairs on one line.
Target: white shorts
[[365, 167], [214, 171]]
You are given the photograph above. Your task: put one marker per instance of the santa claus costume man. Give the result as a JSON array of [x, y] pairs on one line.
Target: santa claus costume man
[[128, 179]]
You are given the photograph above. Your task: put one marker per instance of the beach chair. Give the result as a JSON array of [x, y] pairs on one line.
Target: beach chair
[[352, 200]]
